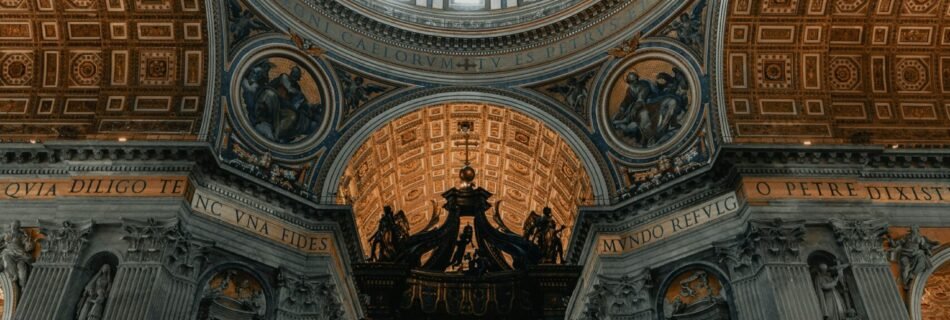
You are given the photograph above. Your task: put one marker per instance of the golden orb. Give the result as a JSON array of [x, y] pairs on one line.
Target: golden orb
[[467, 174]]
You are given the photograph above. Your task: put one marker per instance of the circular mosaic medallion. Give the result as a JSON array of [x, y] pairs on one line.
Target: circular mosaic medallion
[[650, 102], [87, 69], [17, 70], [844, 74], [911, 75], [281, 99]]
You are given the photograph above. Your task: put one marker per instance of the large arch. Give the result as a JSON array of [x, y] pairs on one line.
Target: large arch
[[916, 293], [337, 168]]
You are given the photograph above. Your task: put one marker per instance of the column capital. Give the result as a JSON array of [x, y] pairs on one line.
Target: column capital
[[626, 295], [308, 295], [62, 243], [863, 241]]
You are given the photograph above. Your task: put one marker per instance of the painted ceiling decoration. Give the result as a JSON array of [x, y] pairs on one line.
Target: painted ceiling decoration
[[409, 163], [103, 70], [838, 72], [359, 89]]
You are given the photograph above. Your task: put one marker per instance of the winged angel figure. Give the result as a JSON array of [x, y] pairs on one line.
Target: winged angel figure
[[575, 91], [392, 230], [543, 231], [241, 22], [689, 26]]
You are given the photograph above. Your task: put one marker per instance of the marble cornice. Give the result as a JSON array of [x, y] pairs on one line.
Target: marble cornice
[[193, 159], [440, 44], [736, 161]]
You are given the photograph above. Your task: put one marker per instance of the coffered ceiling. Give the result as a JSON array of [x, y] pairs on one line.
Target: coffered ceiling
[[838, 71], [102, 70]]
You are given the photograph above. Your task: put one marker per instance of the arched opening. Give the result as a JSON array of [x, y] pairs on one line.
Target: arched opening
[[832, 286], [96, 284], [935, 303], [697, 291], [408, 162], [232, 292]]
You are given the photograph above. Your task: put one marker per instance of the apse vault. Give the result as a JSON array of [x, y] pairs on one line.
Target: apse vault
[[408, 163]]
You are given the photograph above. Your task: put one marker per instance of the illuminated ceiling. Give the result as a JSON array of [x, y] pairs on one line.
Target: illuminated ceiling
[[838, 71], [412, 160], [99, 70]]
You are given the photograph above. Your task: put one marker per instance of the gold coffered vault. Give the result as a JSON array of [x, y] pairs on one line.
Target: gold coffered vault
[[409, 163]]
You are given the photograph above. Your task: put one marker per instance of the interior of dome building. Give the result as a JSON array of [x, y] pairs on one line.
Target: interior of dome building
[[474, 159]]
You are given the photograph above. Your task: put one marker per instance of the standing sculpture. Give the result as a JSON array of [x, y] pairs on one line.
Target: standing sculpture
[[93, 300], [17, 254], [913, 251], [829, 287], [544, 232], [390, 233]]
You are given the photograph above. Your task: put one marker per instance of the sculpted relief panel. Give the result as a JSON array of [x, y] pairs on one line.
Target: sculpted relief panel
[[82, 69], [408, 164], [838, 71]]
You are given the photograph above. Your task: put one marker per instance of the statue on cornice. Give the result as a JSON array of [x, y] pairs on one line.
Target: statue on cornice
[[913, 251], [544, 232], [93, 300], [390, 233], [17, 254]]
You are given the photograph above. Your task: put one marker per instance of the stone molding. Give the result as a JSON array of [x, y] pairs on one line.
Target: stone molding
[[441, 44]]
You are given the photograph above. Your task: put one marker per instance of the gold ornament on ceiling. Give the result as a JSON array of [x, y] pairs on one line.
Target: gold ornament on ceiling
[[408, 163]]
